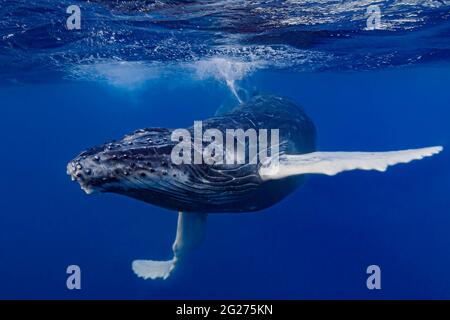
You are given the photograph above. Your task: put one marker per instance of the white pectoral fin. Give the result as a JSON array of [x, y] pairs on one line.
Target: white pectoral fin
[[152, 269], [190, 233], [331, 163]]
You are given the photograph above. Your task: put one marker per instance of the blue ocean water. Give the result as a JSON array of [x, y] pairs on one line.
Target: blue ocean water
[[140, 64]]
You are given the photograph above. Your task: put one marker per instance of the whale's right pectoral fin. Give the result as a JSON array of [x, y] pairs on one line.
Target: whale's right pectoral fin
[[331, 163], [190, 233]]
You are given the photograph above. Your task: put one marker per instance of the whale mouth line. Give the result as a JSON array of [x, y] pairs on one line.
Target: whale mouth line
[[75, 175]]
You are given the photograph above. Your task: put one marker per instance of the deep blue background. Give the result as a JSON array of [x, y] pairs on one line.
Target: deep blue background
[[315, 244]]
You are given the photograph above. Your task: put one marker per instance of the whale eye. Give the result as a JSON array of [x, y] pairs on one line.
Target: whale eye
[[142, 174]]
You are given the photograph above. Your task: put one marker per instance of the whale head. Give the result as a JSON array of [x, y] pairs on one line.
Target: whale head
[[134, 165]]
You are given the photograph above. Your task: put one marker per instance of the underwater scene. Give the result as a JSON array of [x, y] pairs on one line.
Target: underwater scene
[[121, 178]]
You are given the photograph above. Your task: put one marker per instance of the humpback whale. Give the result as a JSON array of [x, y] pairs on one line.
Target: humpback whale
[[140, 166]]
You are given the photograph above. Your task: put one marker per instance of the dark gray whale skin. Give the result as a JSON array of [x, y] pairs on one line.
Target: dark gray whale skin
[[139, 166]]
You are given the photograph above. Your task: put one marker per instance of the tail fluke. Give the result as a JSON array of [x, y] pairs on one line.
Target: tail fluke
[[331, 163]]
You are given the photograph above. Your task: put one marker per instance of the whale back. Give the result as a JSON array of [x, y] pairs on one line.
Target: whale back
[[238, 187], [297, 131]]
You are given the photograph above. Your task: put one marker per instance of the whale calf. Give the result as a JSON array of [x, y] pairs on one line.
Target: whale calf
[[140, 166]]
